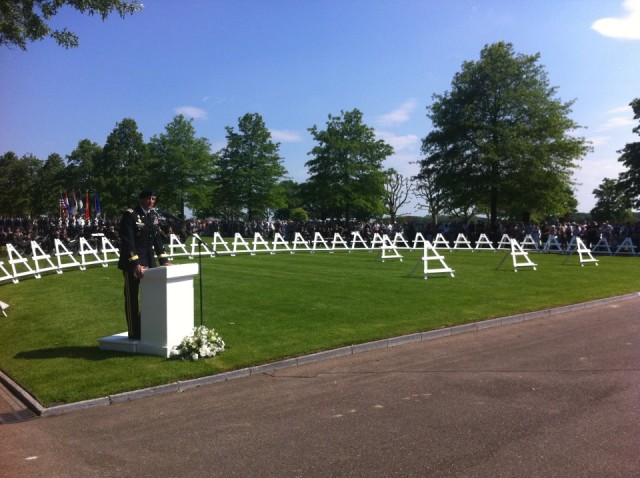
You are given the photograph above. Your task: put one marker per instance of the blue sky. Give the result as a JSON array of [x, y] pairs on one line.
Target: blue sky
[[296, 61]]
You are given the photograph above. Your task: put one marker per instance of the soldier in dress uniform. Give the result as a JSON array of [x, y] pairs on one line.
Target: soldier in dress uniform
[[140, 242]]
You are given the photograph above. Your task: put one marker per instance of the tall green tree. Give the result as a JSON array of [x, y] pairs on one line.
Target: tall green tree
[[249, 171], [181, 166], [346, 178], [18, 184], [501, 140], [23, 21], [80, 172], [293, 199], [612, 203], [122, 170], [49, 183], [8, 162], [630, 158]]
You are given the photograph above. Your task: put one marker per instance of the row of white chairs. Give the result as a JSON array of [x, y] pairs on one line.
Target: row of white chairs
[[40, 262]]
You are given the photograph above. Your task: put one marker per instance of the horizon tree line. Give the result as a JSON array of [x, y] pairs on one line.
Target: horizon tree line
[[502, 144]]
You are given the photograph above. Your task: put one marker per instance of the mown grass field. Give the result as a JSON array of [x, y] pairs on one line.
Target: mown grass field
[[269, 307]]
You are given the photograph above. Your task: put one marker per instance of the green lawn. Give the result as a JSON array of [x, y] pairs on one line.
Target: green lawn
[[269, 307]]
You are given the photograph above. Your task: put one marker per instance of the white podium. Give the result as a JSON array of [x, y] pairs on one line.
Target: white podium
[[166, 305]]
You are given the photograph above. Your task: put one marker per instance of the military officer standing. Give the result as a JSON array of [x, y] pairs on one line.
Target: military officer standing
[[140, 241]]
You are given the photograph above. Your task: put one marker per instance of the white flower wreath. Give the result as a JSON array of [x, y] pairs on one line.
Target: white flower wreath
[[203, 343]]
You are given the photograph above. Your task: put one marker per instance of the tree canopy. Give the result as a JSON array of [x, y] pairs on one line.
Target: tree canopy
[[346, 179], [181, 166], [24, 21], [630, 158], [122, 169], [612, 204], [501, 140], [80, 170], [249, 170], [17, 183], [49, 182]]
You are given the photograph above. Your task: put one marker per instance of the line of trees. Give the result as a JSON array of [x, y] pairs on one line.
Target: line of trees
[[501, 144], [246, 179]]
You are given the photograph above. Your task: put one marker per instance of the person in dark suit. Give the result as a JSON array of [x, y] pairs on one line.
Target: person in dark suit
[[140, 242]]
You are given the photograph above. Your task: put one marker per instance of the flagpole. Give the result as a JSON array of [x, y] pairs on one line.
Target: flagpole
[[87, 208], [96, 205]]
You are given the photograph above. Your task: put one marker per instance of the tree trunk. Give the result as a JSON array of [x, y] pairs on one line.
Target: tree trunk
[[494, 208]]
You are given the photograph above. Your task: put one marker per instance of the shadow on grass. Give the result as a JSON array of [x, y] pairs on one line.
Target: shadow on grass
[[71, 352]]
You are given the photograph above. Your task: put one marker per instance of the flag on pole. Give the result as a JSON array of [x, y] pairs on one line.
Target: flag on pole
[[87, 210], [73, 203], [67, 205], [96, 205]]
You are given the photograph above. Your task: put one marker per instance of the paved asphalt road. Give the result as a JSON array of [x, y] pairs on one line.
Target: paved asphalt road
[[552, 397]]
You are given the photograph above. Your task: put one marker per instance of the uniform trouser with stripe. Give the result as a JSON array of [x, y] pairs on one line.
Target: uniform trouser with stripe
[[131, 304]]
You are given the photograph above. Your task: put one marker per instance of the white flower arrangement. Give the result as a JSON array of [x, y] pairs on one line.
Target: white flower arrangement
[[203, 343]]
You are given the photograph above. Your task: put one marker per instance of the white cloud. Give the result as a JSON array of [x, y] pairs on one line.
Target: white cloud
[[399, 142], [599, 140], [626, 109], [405, 164], [615, 123], [285, 136], [626, 27], [590, 175], [191, 112], [401, 114], [621, 119]]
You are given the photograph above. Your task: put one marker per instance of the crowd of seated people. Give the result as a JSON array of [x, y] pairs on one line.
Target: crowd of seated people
[[589, 232], [21, 231]]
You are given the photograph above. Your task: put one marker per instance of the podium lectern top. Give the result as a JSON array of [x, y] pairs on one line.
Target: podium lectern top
[[171, 272]]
